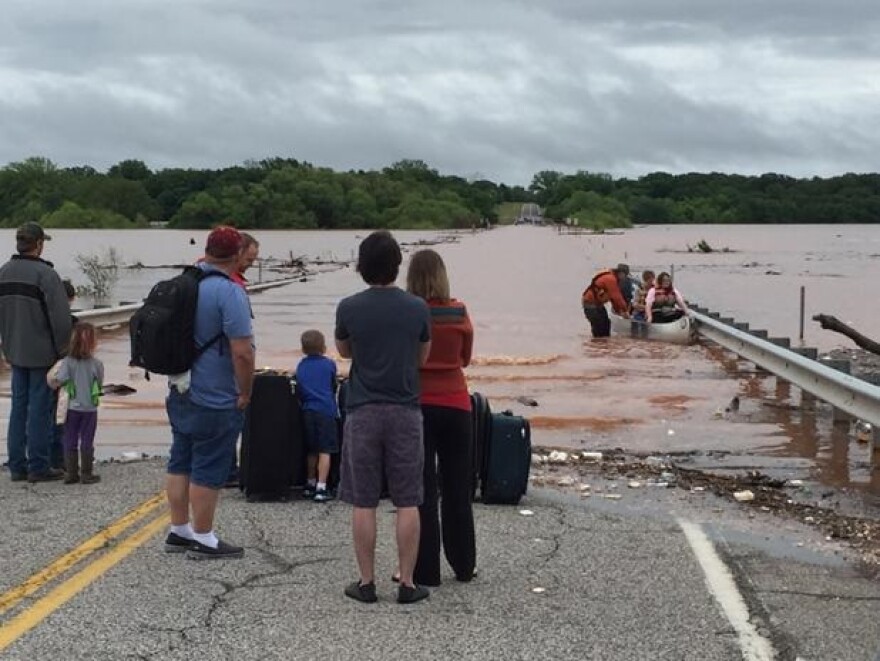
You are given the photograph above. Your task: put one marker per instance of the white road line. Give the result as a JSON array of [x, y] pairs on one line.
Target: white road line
[[719, 580]]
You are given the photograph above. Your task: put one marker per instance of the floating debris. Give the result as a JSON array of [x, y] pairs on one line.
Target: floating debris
[[527, 401], [611, 496], [635, 484], [557, 457], [566, 482], [744, 496], [539, 590], [592, 456], [527, 512], [795, 483]]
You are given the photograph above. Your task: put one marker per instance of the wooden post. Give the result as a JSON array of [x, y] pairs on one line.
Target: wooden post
[[803, 308]]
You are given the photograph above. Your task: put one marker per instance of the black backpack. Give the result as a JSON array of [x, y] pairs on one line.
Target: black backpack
[[163, 330]]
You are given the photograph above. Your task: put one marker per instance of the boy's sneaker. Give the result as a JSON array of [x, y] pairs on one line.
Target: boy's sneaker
[[174, 543], [198, 551], [322, 496], [410, 595], [309, 491], [365, 593]]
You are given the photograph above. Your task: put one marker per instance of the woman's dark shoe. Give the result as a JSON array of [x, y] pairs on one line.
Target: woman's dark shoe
[[365, 593], [464, 578], [410, 595]]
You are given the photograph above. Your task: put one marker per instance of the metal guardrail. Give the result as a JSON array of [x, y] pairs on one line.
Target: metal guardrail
[[847, 393], [116, 316]]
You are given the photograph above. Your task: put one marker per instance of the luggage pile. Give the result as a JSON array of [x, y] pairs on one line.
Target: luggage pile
[[273, 453]]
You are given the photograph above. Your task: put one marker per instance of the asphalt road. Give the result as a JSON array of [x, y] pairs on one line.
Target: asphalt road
[[576, 579]]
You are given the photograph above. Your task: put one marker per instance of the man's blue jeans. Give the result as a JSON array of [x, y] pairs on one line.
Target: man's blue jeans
[[31, 424]]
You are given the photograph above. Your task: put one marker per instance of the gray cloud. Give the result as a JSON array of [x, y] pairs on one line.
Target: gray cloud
[[499, 88]]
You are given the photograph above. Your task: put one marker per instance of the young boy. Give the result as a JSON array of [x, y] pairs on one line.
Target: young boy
[[316, 385]]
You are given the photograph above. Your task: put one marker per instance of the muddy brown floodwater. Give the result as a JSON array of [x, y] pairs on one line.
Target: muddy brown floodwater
[[522, 286]]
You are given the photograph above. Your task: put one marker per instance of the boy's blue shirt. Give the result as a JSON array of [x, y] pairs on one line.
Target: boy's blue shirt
[[315, 382]]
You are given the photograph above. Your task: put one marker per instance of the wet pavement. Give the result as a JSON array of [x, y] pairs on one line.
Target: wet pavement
[[560, 576]]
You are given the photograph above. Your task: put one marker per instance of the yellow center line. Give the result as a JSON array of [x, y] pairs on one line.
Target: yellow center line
[[45, 606], [12, 597]]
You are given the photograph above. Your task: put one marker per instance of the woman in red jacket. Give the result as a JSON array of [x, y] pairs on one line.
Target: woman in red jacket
[[448, 430]]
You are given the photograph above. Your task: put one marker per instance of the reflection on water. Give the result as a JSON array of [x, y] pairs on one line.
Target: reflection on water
[[522, 286]]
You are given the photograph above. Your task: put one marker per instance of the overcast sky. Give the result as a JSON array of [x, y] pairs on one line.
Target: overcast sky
[[495, 89]]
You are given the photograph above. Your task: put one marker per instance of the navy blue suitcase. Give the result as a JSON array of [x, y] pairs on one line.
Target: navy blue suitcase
[[508, 459]]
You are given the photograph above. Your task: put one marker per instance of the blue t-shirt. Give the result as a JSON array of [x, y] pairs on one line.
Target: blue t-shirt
[[222, 307], [315, 381]]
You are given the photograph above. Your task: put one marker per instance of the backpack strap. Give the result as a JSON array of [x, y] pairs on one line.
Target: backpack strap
[[200, 275]]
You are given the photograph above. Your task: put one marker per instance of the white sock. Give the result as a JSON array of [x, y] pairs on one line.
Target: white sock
[[322, 486], [184, 530], [206, 538]]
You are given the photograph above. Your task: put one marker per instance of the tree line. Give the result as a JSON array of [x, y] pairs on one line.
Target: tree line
[[286, 193], [272, 193]]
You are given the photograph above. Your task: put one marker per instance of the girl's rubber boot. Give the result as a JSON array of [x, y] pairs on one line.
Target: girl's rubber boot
[[88, 461], [71, 467]]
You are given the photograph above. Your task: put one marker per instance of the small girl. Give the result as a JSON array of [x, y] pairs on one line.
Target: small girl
[[82, 376]]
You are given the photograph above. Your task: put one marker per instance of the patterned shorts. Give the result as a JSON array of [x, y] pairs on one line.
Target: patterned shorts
[[382, 439]]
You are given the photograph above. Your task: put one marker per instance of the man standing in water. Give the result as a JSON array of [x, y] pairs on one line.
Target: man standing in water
[[35, 327], [605, 287]]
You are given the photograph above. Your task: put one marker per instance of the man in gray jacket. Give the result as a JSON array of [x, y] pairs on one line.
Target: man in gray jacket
[[35, 327]]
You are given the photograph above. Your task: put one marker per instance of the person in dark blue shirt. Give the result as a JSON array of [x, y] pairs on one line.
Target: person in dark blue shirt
[[316, 385]]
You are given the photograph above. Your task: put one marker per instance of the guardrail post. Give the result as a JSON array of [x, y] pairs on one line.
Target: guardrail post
[[808, 400], [762, 334], [783, 342], [741, 326], [726, 320], [841, 366]]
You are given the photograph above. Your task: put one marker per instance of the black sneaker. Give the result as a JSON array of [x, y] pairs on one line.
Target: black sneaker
[[51, 475], [365, 593], [18, 477], [410, 595], [322, 496], [198, 551], [174, 543], [309, 491]]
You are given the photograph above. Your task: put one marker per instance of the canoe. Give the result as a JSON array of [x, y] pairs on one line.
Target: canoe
[[680, 331]]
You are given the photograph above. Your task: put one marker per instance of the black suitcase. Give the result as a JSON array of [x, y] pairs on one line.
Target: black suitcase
[[272, 448], [508, 460], [481, 419]]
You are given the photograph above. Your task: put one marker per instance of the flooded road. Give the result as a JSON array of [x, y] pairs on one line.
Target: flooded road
[[522, 286]]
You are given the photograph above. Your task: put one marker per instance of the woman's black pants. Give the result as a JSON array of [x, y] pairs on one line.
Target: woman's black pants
[[448, 435]]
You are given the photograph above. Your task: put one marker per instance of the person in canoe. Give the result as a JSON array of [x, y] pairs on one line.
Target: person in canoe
[[641, 295], [603, 288], [664, 303]]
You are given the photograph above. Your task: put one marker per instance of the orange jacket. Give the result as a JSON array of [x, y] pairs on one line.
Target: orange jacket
[[604, 288]]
